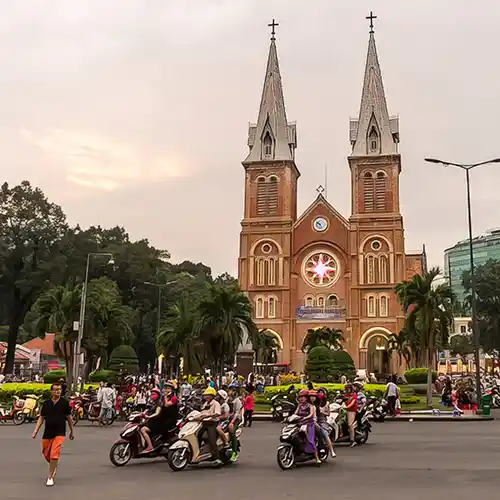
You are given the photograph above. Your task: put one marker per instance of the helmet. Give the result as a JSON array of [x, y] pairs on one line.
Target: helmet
[[169, 383], [155, 394], [304, 392], [210, 391], [223, 394], [234, 384], [312, 392]]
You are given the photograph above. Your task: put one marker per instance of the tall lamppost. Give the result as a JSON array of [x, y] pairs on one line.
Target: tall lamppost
[[475, 329], [81, 322]]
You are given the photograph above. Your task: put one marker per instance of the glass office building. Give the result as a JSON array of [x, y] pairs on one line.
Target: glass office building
[[457, 260]]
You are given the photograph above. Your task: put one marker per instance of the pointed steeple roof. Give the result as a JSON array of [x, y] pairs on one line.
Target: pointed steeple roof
[[373, 132], [272, 128]]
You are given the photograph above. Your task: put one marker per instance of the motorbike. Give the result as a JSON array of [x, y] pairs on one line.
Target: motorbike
[[340, 430], [129, 446], [30, 410], [13, 413], [293, 442], [192, 447], [84, 407], [378, 409], [282, 407]]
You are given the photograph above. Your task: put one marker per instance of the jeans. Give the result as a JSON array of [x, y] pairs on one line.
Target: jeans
[[247, 415], [105, 413]]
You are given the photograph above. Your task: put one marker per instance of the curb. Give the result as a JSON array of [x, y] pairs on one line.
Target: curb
[[267, 417]]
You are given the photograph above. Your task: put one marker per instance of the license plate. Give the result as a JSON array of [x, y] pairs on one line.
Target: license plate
[[285, 414]]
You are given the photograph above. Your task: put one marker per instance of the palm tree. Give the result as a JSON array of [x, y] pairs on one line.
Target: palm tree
[[56, 310], [179, 338], [400, 344], [329, 337], [429, 311], [225, 318], [266, 347]]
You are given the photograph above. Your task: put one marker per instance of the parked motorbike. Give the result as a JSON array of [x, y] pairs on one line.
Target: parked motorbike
[[293, 442], [192, 447], [378, 408], [30, 410], [84, 407], [282, 407], [130, 445], [13, 413], [340, 429]]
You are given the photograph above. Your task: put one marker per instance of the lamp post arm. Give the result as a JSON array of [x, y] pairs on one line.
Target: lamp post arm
[[81, 324]]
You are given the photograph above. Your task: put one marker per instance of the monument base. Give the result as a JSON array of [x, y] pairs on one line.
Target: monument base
[[244, 363]]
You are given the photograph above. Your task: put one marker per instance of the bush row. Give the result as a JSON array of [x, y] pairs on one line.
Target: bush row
[[8, 391], [418, 376], [376, 390]]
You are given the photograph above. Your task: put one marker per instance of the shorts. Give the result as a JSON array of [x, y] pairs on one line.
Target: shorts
[[51, 448]]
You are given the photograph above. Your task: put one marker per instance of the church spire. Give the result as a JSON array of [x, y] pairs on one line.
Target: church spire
[[272, 138], [373, 132]]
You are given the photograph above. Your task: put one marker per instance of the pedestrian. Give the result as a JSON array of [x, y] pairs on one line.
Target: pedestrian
[[391, 394], [55, 413], [248, 406], [107, 400]]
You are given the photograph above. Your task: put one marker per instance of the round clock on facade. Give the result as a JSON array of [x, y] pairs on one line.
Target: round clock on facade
[[320, 224]]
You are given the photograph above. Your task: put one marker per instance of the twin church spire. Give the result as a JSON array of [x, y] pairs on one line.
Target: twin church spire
[[374, 132]]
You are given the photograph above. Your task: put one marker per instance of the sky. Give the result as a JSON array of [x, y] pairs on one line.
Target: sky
[[135, 112]]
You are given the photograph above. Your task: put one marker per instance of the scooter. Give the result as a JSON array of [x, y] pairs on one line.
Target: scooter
[[192, 447], [282, 407], [30, 411], [340, 430], [130, 444], [13, 413], [293, 442]]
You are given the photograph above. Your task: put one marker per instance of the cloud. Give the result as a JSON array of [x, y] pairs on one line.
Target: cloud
[[101, 163]]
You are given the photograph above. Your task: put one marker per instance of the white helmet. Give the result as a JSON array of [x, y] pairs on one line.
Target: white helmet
[[223, 394]]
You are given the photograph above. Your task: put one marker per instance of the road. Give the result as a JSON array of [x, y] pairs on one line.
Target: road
[[401, 460]]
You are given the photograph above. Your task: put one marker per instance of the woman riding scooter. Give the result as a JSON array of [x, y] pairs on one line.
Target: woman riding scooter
[[307, 412]]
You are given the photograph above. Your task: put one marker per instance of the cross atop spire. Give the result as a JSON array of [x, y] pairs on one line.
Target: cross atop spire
[[371, 17], [272, 26], [272, 137]]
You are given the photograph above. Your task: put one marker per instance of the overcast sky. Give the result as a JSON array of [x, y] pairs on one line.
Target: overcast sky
[[135, 112]]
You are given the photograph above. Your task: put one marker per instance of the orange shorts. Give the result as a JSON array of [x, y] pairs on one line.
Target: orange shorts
[[51, 448]]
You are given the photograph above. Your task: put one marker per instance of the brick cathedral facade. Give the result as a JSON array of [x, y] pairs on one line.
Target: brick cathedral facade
[[321, 268]]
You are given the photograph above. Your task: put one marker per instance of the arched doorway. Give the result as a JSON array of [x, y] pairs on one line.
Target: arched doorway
[[373, 351], [377, 359]]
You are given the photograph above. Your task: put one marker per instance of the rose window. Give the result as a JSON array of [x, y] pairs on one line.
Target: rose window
[[321, 269]]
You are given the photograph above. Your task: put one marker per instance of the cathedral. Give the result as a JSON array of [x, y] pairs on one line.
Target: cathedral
[[320, 268]]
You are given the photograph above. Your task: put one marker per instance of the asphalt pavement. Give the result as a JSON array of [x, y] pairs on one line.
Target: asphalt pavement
[[401, 460]]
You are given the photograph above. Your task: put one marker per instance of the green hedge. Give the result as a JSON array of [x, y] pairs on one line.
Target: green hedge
[[54, 376], [418, 376], [376, 390], [104, 376], [409, 400], [8, 391]]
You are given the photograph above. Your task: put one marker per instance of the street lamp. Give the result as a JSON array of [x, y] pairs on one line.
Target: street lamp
[[475, 329], [160, 287], [81, 322]]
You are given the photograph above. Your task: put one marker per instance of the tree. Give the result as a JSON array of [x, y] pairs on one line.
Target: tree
[[31, 230], [266, 347], [123, 360], [429, 311], [461, 345], [487, 304], [331, 338], [401, 345], [225, 320], [343, 364], [320, 364], [179, 338]]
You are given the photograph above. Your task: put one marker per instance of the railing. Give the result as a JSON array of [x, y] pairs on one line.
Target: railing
[[316, 312]]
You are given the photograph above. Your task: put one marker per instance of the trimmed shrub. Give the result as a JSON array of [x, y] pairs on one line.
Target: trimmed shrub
[[376, 390], [343, 364], [418, 376], [320, 364], [104, 376], [409, 400], [288, 378], [54, 376], [8, 391], [123, 360]]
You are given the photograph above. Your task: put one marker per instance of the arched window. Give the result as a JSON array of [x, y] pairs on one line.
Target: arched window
[[271, 307], [368, 191], [272, 195], [373, 140], [370, 269], [266, 271], [383, 269], [309, 301], [320, 301], [267, 146], [259, 267], [333, 300], [381, 192], [261, 196], [370, 306], [384, 306], [259, 307], [272, 272]]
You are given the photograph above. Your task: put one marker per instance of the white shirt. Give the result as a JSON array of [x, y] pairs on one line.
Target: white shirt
[[186, 389], [392, 389], [107, 397]]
